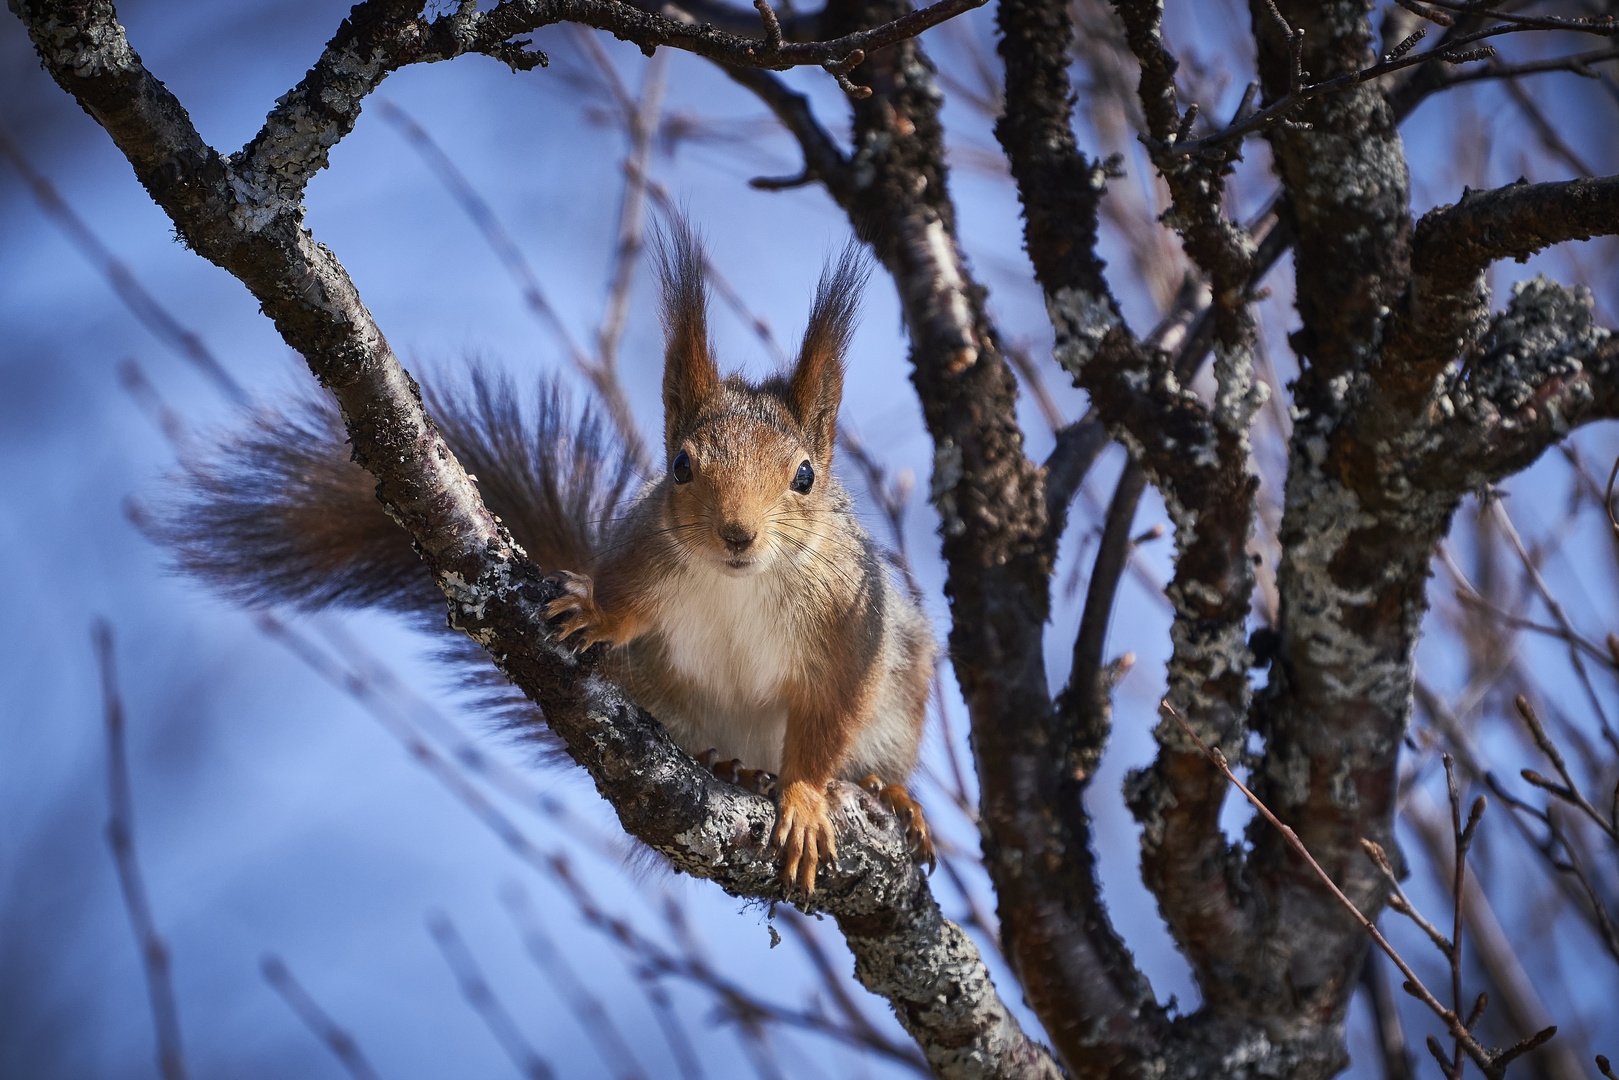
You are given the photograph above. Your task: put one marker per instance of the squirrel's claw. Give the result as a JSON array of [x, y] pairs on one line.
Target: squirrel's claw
[[909, 812], [575, 613], [803, 833]]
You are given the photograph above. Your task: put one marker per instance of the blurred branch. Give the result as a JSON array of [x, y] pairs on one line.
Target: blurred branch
[[121, 838], [688, 965], [1554, 142], [340, 1042], [1559, 616], [604, 1036], [642, 127], [674, 1032], [511, 256], [141, 303], [475, 988], [1397, 1063], [823, 161]]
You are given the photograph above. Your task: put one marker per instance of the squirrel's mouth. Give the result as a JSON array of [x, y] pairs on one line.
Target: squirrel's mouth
[[740, 565]]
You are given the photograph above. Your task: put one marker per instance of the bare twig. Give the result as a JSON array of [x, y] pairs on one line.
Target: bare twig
[[1401, 903], [1493, 946], [339, 1041], [1558, 615], [689, 965], [141, 303], [1450, 52], [1569, 791], [483, 215], [1491, 1062], [483, 1000], [604, 1036], [121, 838]]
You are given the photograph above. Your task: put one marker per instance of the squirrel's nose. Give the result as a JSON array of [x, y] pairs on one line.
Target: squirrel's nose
[[737, 537]]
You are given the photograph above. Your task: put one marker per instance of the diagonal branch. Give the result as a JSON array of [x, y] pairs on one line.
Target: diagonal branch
[[904, 949]]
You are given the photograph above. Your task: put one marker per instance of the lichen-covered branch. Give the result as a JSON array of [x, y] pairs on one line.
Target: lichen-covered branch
[[1075, 972], [904, 949], [1446, 310]]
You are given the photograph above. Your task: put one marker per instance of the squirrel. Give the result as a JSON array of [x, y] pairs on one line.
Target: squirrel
[[739, 599]]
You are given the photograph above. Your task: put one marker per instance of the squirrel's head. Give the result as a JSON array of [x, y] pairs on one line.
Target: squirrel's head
[[749, 468]]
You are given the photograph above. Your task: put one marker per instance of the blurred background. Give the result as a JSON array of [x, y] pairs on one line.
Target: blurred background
[[321, 822]]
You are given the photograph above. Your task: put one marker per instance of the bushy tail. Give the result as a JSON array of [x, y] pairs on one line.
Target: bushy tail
[[276, 513]]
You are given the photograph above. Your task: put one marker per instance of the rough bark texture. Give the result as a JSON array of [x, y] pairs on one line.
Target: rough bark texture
[[1411, 396], [244, 214]]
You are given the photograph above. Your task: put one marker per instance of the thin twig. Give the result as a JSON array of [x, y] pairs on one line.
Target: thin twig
[[366, 682], [1570, 791], [121, 838], [604, 1036], [1491, 1063], [141, 303], [690, 966], [339, 1041], [1450, 52], [483, 216], [1558, 615], [475, 988]]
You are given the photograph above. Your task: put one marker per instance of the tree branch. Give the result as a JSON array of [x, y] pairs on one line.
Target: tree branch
[[1446, 311], [1453, 242], [1076, 973], [904, 949]]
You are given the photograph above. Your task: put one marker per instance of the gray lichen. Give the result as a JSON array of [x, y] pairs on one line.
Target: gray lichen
[[1081, 320]]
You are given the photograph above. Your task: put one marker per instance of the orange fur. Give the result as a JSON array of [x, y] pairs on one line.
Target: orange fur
[[749, 616]]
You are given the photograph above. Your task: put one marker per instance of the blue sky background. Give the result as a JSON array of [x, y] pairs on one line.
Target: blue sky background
[[274, 814]]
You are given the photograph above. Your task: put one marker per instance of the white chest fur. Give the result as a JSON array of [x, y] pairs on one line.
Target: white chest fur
[[729, 635]]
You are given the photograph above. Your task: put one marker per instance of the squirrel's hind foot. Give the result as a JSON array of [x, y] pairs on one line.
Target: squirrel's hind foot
[[732, 771], [909, 812]]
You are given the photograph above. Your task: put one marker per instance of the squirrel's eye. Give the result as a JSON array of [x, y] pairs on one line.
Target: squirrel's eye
[[681, 468], [804, 479]]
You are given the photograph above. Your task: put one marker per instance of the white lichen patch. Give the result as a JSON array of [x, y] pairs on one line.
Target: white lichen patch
[[99, 48], [1081, 320], [467, 595], [1237, 395], [947, 473], [1322, 514]]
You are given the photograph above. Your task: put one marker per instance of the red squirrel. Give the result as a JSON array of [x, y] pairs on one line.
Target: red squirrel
[[741, 602]]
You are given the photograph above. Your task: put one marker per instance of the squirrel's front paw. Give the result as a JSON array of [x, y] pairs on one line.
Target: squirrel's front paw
[[909, 812], [575, 613], [803, 832]]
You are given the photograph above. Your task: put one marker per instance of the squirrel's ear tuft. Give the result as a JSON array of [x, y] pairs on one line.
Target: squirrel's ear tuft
[[816, 386], [690, 375]]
